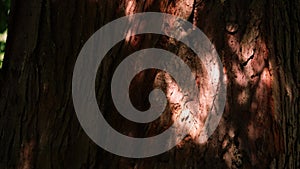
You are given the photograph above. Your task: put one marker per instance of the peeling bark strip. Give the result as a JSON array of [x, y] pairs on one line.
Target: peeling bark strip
[[258, 42]]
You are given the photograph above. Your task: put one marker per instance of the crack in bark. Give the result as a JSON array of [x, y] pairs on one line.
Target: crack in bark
[[191, 17], [246, 62]]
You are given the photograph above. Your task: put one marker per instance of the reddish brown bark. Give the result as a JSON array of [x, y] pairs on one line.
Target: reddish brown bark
[[258, 43]]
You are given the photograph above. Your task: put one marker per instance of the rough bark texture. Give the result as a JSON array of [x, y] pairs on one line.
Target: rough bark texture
[[258, 42]]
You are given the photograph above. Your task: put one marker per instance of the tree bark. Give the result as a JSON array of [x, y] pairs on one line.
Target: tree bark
[[257, 41]]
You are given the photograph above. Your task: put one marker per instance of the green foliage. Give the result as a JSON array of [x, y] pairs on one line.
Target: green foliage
[[2, 48], [4, 11]]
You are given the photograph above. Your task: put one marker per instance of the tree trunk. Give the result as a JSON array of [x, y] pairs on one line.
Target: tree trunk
[[257, 41]]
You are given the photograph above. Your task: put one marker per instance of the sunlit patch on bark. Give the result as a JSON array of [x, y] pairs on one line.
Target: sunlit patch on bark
[[130, 7], [27, 155], [243, 97], [180, 8], [190, 112], [233, 43], [233, 156], [250, 73]]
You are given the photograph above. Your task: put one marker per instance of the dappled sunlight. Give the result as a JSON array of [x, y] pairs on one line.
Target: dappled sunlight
[[240, 77], [187, 111], [173, 92], [134, 40], [180, 8], [266, 78], [128, 36], [251, 54], [58, 81], [130, 7], [183, 111], [27, 155], [233, 43], [247, 51], [251, 114], [243, 97], [232, 155]]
